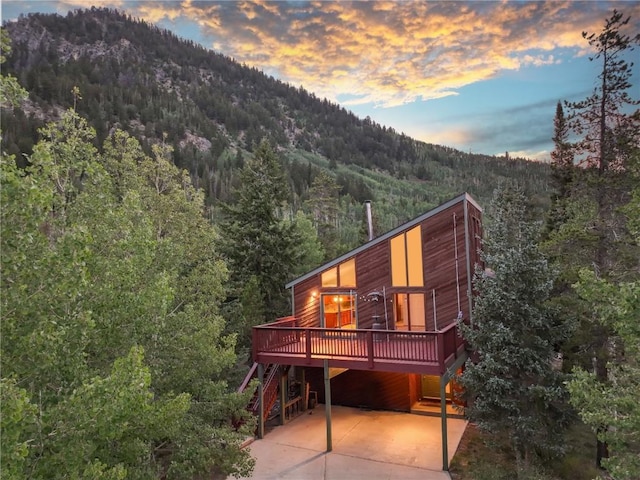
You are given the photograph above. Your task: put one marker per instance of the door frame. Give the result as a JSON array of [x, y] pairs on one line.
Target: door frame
[[408, 324], [350, 293]]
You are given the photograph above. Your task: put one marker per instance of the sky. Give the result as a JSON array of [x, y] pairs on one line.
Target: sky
[[479, 76]]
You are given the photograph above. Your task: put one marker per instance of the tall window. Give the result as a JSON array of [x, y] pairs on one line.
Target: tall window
[[344, 275], [406, 259]]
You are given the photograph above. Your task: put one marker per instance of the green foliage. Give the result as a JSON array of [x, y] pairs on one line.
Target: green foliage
[[104, 256], [18, 424], [613, 403], [11, 93], [512, 387], [323, 206], [258, 242], [562, 169], [310, 250], [110, 424], [484, 456], [595, 233]]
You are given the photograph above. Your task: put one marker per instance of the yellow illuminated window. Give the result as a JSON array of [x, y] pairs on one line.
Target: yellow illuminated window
[[406, 259], [339, 310], [330, 278], [344, 275], [398, 262], [416, 311], [414, 258], [348, 273]]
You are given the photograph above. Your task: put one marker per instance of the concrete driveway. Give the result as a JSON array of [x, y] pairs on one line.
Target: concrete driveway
[[366, 445]]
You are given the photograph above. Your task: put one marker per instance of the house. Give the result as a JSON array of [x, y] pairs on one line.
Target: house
[[376, 327]]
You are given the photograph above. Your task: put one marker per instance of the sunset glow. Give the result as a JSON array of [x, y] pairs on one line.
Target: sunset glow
[[389, 58]]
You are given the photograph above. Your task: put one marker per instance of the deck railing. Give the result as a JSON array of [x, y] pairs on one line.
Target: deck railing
[[286, 342]]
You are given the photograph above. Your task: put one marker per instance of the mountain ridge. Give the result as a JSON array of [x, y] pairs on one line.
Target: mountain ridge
[[213, 110]]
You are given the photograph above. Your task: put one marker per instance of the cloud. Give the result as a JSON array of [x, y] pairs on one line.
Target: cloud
[[395, 53], [537, 155], [387, 53], [523, 130]]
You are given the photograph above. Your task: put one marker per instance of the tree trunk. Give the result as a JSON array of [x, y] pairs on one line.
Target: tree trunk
[[602, 450]]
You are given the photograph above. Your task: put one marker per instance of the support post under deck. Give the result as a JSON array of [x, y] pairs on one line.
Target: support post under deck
[[261, 401], [327, 403], [448, 375], [283, 398], [305, 402], [443, 417]]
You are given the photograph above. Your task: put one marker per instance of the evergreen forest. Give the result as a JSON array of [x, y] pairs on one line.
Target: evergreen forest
[[156, 196]]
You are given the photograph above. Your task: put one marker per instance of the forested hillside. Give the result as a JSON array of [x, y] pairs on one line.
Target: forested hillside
[[214, 111]]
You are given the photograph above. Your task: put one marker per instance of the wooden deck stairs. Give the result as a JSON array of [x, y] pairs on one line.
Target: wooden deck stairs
[[270, 389]]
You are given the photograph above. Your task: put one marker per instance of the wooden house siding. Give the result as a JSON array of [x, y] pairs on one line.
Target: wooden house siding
[[414, 388], [372, 275], [445, 272], [449, 253], [306, 307], [358, 388], [475, 236]]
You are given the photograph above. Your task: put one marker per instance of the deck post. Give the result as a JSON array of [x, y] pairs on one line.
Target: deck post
[[305, 404], [261, 400], [307, 340], [442, 354], [443, 417], [444, 380], [327, 403], [283, 398], [370, 348]]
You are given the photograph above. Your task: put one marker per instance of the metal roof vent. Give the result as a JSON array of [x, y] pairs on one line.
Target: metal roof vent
[[367, 206]]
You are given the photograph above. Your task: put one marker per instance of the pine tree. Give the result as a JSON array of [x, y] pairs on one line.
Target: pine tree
[[324, 208], [595, 233], [562, 170], [511, 387], [608, 138], [608, 132], [257, 241], [562, 155]]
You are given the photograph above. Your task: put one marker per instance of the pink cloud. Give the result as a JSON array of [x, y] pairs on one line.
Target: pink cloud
[[390, 53]]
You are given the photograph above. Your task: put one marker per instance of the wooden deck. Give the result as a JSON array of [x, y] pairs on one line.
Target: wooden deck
[[284, 343]]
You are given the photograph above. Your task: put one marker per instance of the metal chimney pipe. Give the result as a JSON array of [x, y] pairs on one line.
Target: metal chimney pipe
[[367, 206]]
